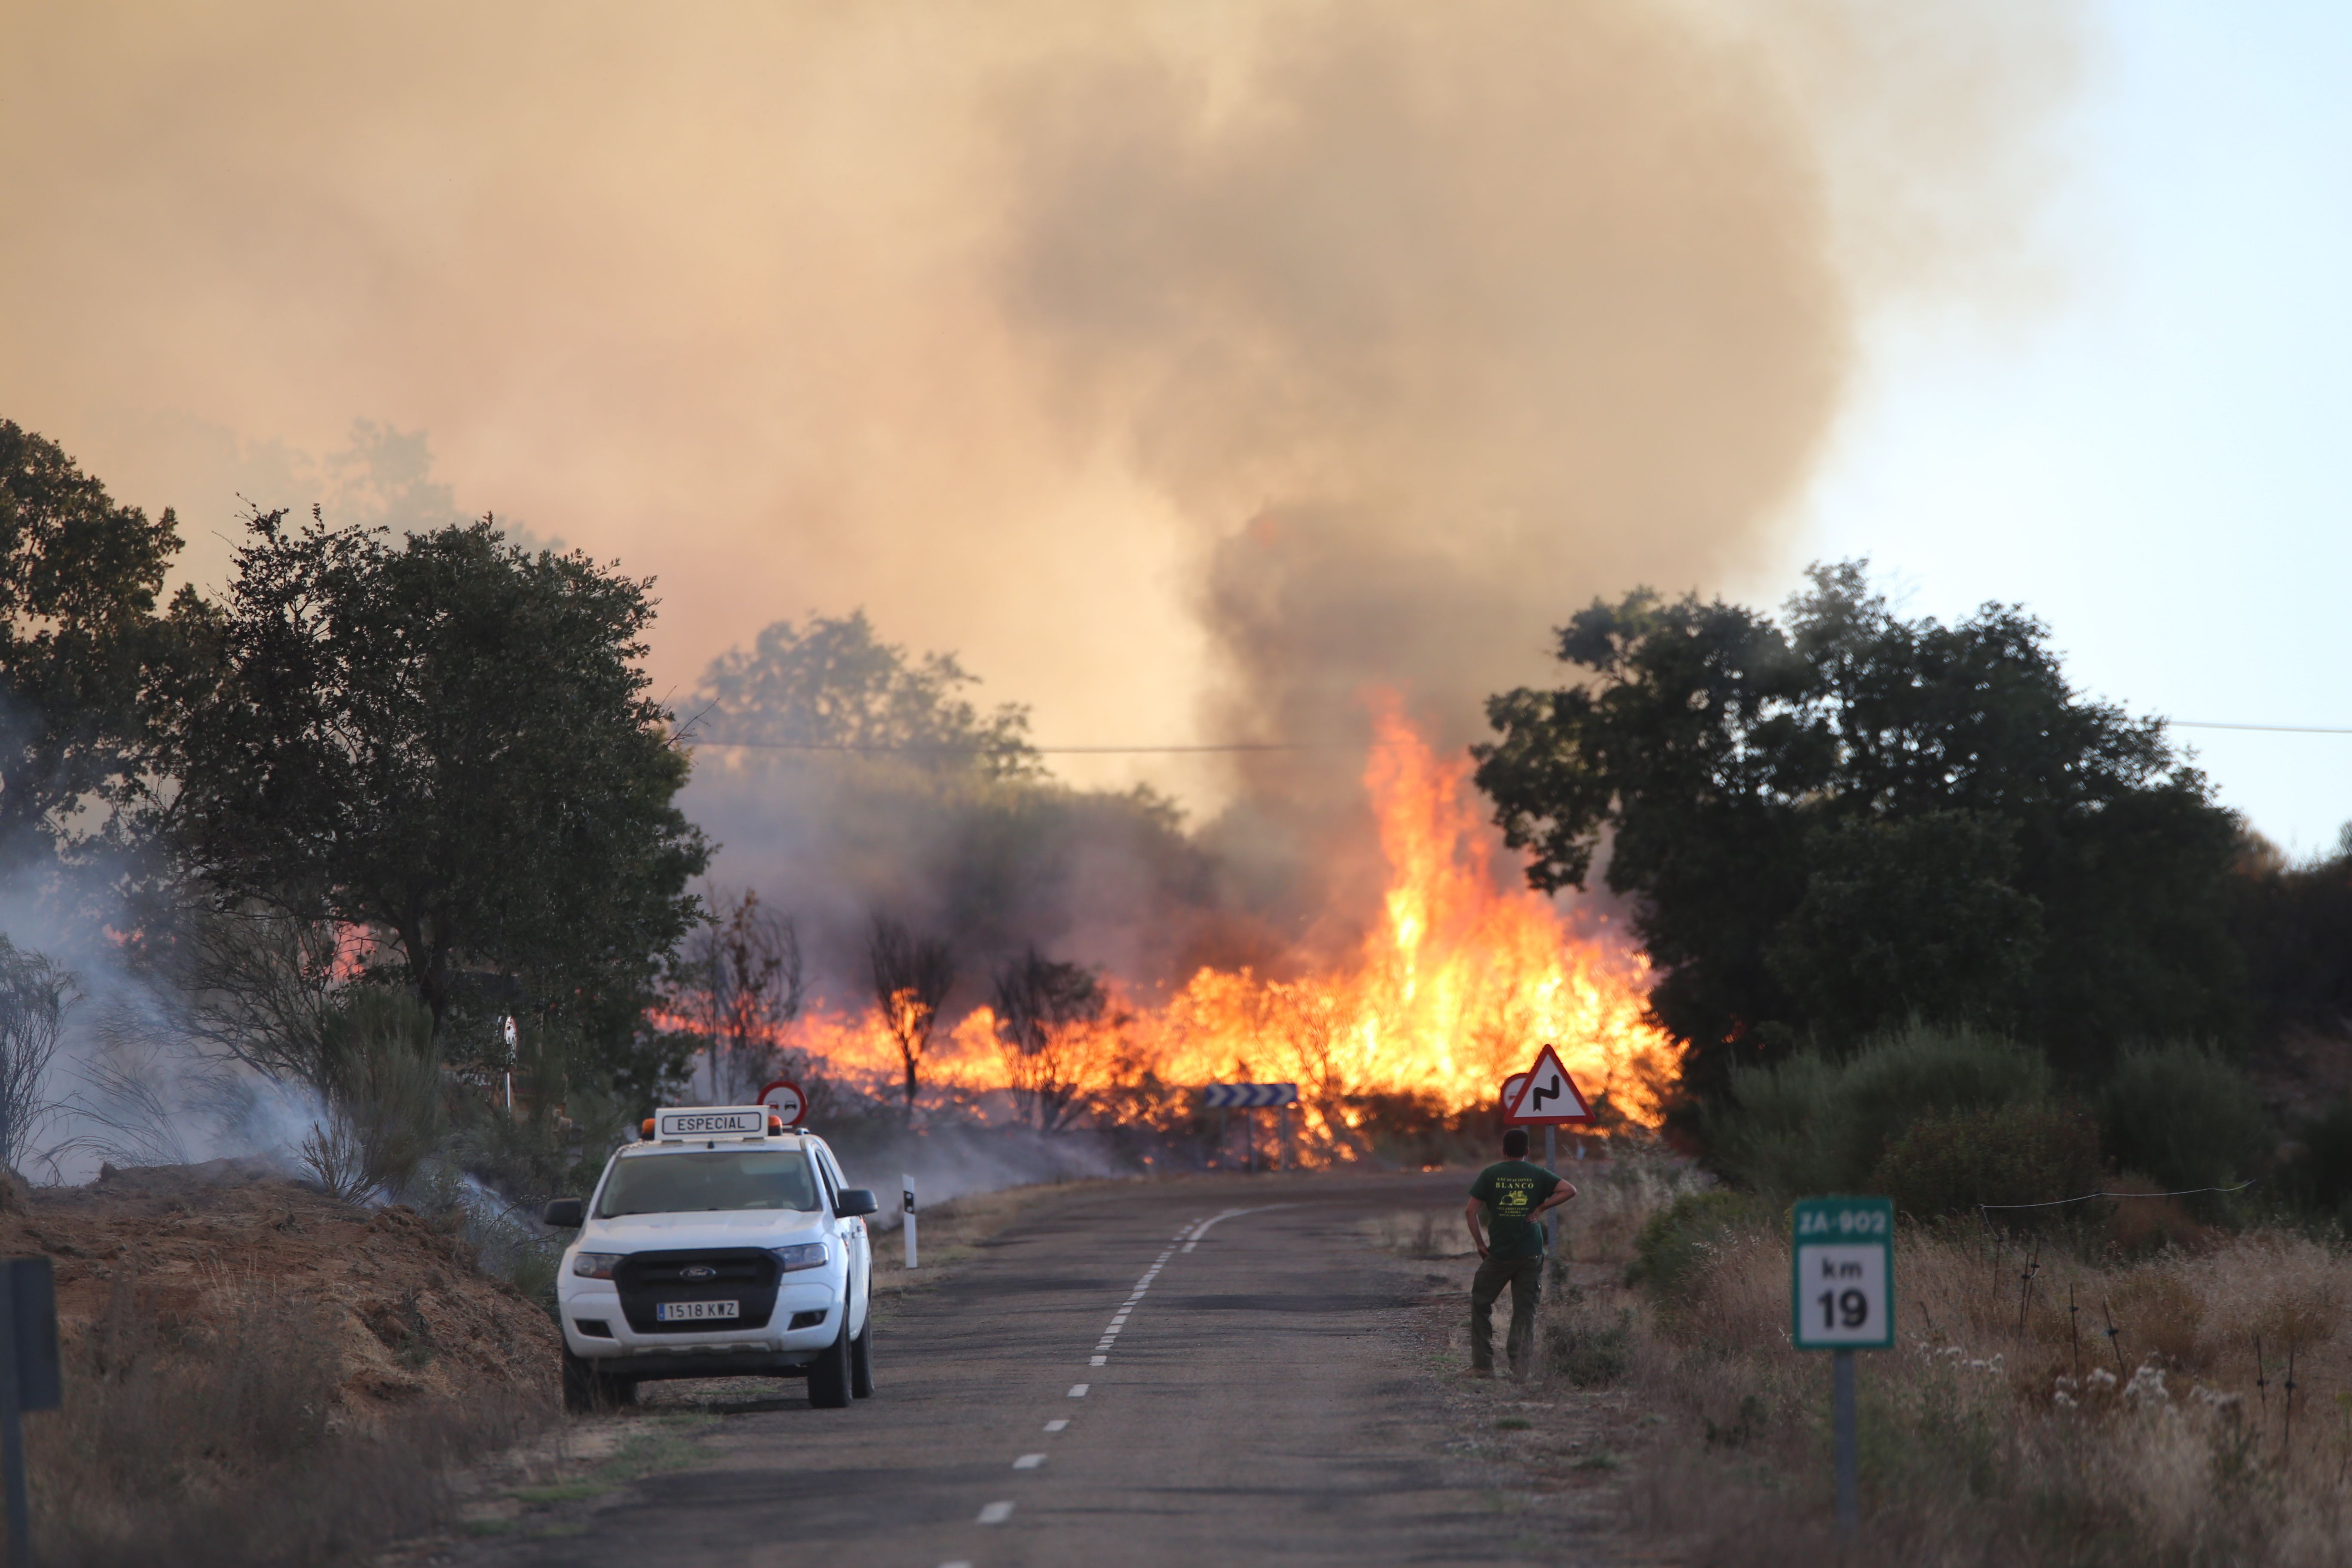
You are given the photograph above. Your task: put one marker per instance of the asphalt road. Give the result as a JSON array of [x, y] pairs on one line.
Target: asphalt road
[[1191, 1373]]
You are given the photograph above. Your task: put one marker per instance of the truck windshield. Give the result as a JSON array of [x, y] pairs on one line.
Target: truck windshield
[[704, 1182]]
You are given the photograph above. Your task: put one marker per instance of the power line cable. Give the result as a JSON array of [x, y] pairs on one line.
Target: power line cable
[[2280, 729], [979, 749], [1024, 749], [2087, 1197]]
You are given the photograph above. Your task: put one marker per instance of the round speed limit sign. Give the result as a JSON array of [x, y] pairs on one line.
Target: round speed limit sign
[[785, 1098]]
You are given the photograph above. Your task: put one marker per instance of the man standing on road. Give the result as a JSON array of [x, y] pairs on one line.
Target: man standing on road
[[1511, 1196]]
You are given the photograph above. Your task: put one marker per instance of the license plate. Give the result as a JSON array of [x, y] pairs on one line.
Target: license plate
[[695, 1311]]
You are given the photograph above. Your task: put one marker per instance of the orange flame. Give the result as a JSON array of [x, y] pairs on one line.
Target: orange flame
[[1458, 984]]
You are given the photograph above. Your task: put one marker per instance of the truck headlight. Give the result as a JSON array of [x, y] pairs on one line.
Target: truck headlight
[[807, 1255], [596, 1265]]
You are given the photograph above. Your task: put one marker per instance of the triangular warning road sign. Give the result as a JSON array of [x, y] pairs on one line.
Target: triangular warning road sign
[[1549, 1098]]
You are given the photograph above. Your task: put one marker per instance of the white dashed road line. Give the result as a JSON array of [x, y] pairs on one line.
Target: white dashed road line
[[1185, 1240]]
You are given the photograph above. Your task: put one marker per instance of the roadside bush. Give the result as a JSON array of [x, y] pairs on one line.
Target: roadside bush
[[1579, 1346], [1918, 1071], [1819, 1124], [2181, 1115], [2319, 1179], [1949, 1163], [1766, 1133], [1617, 1195], [382, 1078], [1680, 1238]]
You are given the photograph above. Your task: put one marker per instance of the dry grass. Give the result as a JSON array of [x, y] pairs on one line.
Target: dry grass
[[1616, 1196], [2006, 1428], [222, 1441]]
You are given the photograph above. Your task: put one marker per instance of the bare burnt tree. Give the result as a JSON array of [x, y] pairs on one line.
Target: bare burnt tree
[[912, 977], [384, 1115], [260, 986], [739, 984], [34, 995], [1045, 1018]]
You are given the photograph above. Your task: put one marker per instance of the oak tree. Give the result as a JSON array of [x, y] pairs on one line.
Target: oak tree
[[79, 574], [445, 741], [1831, 820]]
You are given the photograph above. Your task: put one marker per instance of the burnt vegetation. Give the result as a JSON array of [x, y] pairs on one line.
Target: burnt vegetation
[[737, 982], [912, 977], [1047, 1019]]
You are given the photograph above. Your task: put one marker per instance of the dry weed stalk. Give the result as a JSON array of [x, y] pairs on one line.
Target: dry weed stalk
[[193, 1437], [2021, 1456]]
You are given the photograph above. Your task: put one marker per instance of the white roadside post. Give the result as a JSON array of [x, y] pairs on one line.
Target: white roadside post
[[906, 1185], [1842, 1299]]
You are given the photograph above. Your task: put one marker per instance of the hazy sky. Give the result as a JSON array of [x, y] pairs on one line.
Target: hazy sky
[[2158, 461], [1184, 365]]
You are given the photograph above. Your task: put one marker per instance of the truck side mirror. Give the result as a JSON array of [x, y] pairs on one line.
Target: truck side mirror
[[564, 1214], [854, 1202]]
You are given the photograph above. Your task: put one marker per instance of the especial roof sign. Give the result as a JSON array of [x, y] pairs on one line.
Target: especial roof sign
[[722, 1122]]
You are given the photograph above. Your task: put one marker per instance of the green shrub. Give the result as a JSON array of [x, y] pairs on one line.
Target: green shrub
[[1818, 1124], [382, 1078], [1580, 1348], [1766, 1131], [1949, 1163], [2319, 1178], [2182, 1115], [1921, 1071], [1675, 1243]]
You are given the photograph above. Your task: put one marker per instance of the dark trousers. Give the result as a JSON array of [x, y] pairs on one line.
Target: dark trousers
[[1524, 1276]]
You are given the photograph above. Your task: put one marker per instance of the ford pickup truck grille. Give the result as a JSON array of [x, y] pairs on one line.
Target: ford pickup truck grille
[[746, 1274]]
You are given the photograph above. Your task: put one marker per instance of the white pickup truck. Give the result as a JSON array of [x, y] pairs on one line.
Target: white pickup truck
[[720, 1245]]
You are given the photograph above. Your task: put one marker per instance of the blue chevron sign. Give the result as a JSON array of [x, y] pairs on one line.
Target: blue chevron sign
[[1218, 1096]]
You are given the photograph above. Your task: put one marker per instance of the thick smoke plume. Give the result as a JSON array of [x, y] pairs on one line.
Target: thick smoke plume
[[1191, 370], [1185, 367]]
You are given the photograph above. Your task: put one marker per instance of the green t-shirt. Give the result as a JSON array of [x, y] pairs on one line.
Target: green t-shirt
[[1511, 1191]]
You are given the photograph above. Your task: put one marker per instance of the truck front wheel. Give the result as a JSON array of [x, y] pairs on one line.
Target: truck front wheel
[[828, 1376], [861, 1360]]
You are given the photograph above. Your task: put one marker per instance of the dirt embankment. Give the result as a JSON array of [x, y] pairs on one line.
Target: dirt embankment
[[411, 1316]]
